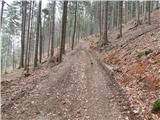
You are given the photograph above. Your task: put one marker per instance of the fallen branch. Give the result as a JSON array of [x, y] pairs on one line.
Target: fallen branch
[[143, 33]]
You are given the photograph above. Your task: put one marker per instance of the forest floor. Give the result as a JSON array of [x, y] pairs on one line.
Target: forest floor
[[77, 89], [134, 61], [80, 88]]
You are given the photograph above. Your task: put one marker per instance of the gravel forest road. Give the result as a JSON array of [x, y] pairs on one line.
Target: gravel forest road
[[77, 89]]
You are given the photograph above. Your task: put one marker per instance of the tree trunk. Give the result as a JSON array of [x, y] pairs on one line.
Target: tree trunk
[[40, 39], [63, 35], [91, 26], [6, 58], [6, 62], [120, 17], [103, 15], [2, 62], [79, 30], [137, 12], [105, 35], [149, 12], [115, 14], [53, 28], [132, 9], [30, 38], [24, 11], [143, 8], [126, 11], [157, 4], [43, 34], [100, 19], [27, 40], [112, 15], [64, 26], [69, 38], [2, 8], [75, 23], [13, 55], [145, 17], [49, 31], [151, 6], [37, 36], [130, 5]]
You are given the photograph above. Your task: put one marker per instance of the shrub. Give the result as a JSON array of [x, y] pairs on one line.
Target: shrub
[[144, 53], [156, 106]]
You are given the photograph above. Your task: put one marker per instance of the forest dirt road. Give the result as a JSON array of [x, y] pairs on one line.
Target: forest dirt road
[[77, 89]]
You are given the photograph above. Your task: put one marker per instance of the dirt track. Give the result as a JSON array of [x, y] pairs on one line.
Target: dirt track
[[77, 89]]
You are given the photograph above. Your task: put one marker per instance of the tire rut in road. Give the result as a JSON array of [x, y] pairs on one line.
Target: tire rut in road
[[118, 94], [100, 106]]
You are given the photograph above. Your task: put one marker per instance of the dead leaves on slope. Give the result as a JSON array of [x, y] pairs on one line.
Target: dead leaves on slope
[[140, 77]]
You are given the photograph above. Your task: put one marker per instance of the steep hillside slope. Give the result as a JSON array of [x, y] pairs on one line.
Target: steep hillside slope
[[135, 60]]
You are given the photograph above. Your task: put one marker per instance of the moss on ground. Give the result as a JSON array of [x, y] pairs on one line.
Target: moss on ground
[[156, 106], [144, 53]]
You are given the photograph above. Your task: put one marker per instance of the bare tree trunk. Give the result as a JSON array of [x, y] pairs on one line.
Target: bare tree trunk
[[64, 26], [53, 28], [130, 5], [120, 17], [100, 20], [30, 38], [157, 4], [132, 9], [2, 8], [79, 30], [63, 35], [40, 39], [37, 35], [137, 12], [49, 40], [27, 40], [143, 8], [24, 11], [2, 62], [75, 23], [43, 34], [13, 55], [151, 6], [126, 11], [145, 17], [149, 12], [6, 61], [69, 38], [112, 15], [105, 35], [103, 15], [115, 14]]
